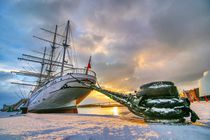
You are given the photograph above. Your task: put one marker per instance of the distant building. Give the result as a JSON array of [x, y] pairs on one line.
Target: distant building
[[192, 94], [204, 85]]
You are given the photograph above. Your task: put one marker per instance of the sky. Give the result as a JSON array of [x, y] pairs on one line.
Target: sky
[[131, 42]]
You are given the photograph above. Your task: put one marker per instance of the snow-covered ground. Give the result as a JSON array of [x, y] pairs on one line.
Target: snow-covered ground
[[101, 127]]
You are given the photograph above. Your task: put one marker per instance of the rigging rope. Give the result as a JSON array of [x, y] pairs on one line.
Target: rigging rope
[[69, 57], [57, 59], [32, 67], [18, 95], [25, 69], [73, 51], [21, 92]]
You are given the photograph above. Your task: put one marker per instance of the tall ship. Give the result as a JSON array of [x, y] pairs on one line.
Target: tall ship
[[59, 87]]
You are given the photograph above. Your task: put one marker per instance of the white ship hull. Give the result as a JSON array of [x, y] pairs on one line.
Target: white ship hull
[[61, 94]]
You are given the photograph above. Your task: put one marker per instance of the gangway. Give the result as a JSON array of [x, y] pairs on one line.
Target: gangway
[[14, 107]]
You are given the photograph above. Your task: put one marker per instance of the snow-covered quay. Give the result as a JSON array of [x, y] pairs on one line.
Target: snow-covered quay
[[101, 127]]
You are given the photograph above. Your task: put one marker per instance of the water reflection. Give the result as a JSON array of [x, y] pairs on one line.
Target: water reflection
[[123, 112], [116, 111]]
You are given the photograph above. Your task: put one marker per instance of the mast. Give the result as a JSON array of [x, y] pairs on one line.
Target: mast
[[42, 67], [65, 45], [52, 51], [50, 61]]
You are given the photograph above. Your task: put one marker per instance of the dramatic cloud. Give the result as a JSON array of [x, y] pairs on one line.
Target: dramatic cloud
[[131, 42]]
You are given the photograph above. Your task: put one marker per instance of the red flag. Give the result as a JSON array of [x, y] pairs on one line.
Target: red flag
[[206, 98], [89, 65]]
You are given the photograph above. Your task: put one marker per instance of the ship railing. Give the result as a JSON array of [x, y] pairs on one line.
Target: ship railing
[[77, 70]]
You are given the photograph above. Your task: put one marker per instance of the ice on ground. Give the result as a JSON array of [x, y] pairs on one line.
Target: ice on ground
[[100, 127]]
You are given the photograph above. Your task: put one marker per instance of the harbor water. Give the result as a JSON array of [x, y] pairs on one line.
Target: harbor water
[[113, 111]]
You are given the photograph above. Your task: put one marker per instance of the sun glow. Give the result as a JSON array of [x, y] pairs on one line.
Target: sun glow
[[115, 111]]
